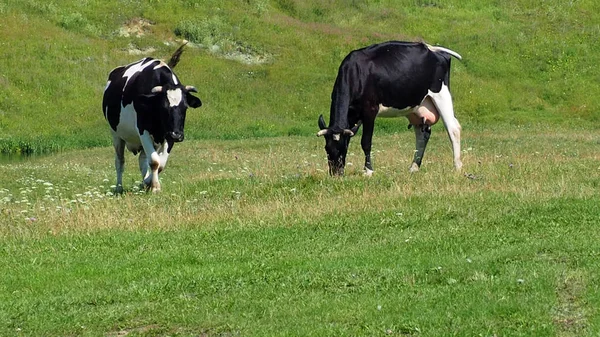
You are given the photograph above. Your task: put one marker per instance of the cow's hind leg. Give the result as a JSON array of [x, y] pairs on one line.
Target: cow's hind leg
[[443, 103], [423, 117], [119, 145], [422, 134]]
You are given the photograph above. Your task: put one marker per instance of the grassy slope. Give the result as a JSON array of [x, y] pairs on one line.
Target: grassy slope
[[524, 61]]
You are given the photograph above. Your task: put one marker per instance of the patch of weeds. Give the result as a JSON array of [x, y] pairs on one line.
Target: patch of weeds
[[260, 6], [215, 35], [207, 32], [43, 7], [287, 6], [27, 147], [427, 3], [77, 22]]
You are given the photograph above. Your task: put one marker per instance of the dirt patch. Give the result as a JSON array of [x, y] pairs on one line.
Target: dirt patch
[[247, 58], [138, 330], [569, 315], [136, 27], [236, 54], [133, 50]]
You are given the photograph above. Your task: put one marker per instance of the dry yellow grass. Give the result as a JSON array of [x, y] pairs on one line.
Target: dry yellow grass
[[284, 180]]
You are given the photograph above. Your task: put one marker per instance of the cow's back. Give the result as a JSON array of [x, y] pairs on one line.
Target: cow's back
[[111, 101], [124, 84], [387, 72]]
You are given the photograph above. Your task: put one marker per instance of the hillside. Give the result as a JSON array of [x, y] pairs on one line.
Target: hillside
[[266, 68]]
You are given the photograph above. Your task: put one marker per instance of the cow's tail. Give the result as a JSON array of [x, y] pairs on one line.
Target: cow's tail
[[176, 55], [444, 50]]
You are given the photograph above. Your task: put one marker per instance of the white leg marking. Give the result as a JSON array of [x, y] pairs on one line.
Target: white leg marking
[[443, 102], [413, 168], [368, 172], [163, 154], [148, 145]]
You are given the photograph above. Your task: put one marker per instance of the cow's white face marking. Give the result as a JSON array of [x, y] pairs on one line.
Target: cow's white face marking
[[174, 96], [337, 137]]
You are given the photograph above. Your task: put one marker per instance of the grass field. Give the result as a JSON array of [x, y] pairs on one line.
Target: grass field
[[250, 236]]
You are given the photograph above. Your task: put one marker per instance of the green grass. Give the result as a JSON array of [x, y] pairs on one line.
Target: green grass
[[252, 238]]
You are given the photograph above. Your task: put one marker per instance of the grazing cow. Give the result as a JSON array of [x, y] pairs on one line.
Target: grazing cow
[[390, 79], [145, 105]]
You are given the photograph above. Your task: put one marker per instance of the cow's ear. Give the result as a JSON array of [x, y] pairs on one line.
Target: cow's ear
[[356, 127], [322, 125], [193, 101]]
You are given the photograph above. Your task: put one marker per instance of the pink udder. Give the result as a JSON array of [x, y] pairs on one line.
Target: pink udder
[[423, 116]]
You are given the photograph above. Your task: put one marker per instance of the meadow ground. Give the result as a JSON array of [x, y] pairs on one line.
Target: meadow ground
[[250, 237], [253, 238]]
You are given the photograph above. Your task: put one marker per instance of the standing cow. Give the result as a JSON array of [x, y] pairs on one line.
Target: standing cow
[[145, 105], [390, 79]]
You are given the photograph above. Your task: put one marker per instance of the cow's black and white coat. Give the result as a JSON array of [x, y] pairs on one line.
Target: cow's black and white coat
[[394, 78], [145, 104]]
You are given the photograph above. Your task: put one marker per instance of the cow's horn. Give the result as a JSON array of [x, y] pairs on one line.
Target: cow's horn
[[191, 88], [322, 132], [348, 132], [157, 89]]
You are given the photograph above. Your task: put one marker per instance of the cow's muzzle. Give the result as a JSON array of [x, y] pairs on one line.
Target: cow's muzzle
[[175, 136], [336, 168]]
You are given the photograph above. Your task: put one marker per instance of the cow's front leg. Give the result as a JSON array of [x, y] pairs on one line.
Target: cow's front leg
[[365, 142], [163, 154], [145, 168], [153, 161], [422, 134]]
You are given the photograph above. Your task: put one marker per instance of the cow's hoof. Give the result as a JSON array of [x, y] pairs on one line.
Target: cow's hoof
[[119, 189], [368, 172], [458, 166], [156, 189], [413, 168]]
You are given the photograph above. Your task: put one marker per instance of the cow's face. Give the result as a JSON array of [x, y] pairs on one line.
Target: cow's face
[[172, 103], [336, 146]]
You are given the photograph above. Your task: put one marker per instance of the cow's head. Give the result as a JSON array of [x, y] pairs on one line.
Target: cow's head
[[336, 146], [170, 102]]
